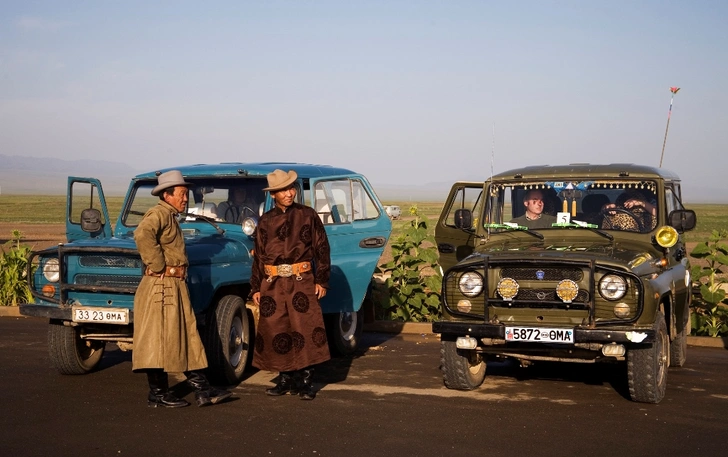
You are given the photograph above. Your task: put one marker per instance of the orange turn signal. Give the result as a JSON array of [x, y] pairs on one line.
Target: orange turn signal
[[49, 290]]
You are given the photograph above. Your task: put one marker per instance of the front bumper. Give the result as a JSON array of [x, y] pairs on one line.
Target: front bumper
[[581, 335], [63, 313]]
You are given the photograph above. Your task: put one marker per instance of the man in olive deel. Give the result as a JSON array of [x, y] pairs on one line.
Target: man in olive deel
[[165, 329]]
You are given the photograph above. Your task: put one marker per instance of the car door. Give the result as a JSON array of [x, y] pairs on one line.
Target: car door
[[86, 213], [453, 243], [357, 228]]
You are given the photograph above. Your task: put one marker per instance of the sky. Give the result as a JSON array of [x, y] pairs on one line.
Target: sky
[[405, 92]]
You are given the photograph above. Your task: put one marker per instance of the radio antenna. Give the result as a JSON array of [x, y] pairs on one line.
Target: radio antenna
[[673, 90], [492, 153]]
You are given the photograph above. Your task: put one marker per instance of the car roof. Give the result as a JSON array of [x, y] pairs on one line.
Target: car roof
[[261, 169], [614, 171]]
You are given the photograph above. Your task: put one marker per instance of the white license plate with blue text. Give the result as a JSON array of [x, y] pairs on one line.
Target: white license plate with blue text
[[100, 315], [540, 334]]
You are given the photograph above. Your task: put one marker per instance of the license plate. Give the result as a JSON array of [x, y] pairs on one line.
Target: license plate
[[100, 315], [540, 334]]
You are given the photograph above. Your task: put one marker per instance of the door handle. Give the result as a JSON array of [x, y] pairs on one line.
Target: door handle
[[446, 248], [373, 242]]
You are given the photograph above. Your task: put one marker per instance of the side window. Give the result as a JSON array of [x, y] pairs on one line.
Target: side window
[[466, 198], [84, 196], [672, 201], [333, 201]]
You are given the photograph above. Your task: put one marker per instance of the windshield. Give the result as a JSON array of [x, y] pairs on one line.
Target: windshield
[[224, 200], [546, 205]]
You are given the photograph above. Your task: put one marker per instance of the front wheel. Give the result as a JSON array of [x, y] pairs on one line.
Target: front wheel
[[344, 331], [461, 369], [69, 353], [647, 366], [227, 340]]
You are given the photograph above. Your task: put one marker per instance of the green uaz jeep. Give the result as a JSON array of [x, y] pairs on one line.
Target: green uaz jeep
[[581, 263]]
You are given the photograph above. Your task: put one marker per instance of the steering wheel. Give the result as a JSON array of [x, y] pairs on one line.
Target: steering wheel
[[231, 211], [607, 212]]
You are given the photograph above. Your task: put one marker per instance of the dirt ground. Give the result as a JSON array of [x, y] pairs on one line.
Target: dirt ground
[[36, 236]]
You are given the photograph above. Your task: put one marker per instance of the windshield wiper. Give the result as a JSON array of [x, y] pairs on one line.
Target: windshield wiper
[[513, 226], [580, 224], [207, 219]]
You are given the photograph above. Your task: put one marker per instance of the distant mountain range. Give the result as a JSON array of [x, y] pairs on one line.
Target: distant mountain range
[[46, 176]]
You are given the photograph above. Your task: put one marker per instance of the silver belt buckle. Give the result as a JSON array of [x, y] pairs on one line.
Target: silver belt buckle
[[285, 270]]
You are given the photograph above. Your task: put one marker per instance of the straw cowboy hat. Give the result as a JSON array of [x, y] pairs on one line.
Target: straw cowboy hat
[[279, 179], [169, 179]]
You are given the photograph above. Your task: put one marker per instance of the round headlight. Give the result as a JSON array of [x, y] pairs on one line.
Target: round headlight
[[612, 287], [51, 270], [507, 288], [567, 290], [666, 236], [249, 225], [471, 284]]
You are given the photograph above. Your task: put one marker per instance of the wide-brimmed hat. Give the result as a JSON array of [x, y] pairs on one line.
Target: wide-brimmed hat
[[169, 179], [279, 179]]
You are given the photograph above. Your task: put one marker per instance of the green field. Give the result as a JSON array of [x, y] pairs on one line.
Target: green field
[[41, 209]]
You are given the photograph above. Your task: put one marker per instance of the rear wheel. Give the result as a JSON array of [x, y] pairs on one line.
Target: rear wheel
[[69, 353], [344, 331], [647, 366], [461, 369], [227, 340]]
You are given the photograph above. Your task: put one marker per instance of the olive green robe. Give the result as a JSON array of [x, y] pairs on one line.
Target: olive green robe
[[165, 328]]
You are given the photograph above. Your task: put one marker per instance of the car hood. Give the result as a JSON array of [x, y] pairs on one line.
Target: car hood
[[628, 255], [200, 249]]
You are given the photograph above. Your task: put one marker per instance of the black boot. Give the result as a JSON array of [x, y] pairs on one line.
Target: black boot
[[306, 391], [159, 394], [205, 394], [285, 385]]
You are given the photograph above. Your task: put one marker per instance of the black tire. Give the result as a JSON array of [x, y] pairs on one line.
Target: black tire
[[344, 331], [647, 366], [679, 348], [461, 369], [228, 340], [69, 353]]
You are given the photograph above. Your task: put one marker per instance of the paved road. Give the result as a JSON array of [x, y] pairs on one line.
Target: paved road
[[389, 400]]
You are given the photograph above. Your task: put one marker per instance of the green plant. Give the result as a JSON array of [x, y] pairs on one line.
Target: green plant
[[413, 277], [710, 314], [13, 269]]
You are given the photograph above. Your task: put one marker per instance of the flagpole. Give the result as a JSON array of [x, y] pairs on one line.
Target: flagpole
[[673, 90]]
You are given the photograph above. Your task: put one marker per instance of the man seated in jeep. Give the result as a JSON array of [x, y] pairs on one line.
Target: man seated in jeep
[[534, 217]]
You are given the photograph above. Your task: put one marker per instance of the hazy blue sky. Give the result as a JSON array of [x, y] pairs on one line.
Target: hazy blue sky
[[405, 92]]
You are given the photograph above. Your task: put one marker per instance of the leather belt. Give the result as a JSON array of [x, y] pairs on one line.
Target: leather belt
[[286, 270], [179, 271]]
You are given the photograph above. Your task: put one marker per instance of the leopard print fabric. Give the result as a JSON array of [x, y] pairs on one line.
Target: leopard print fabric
[[626, 223]]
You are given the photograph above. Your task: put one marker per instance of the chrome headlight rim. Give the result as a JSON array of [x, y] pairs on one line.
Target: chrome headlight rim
[[52, 270], [470, 284], [249, 224], [612, 287]]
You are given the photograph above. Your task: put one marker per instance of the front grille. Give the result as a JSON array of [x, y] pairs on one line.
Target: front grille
[[538, 295], [548, 273], [107, 280], [110, 260]]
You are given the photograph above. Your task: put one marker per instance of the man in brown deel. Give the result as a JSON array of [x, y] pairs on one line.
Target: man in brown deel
[[165, 329], [290, 275]]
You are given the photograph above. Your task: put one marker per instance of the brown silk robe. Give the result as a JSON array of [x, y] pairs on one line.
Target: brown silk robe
[[291, 334]]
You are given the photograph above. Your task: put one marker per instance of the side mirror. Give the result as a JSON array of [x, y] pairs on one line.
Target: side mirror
[[91, 220], [682, 220], [463, 218]]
